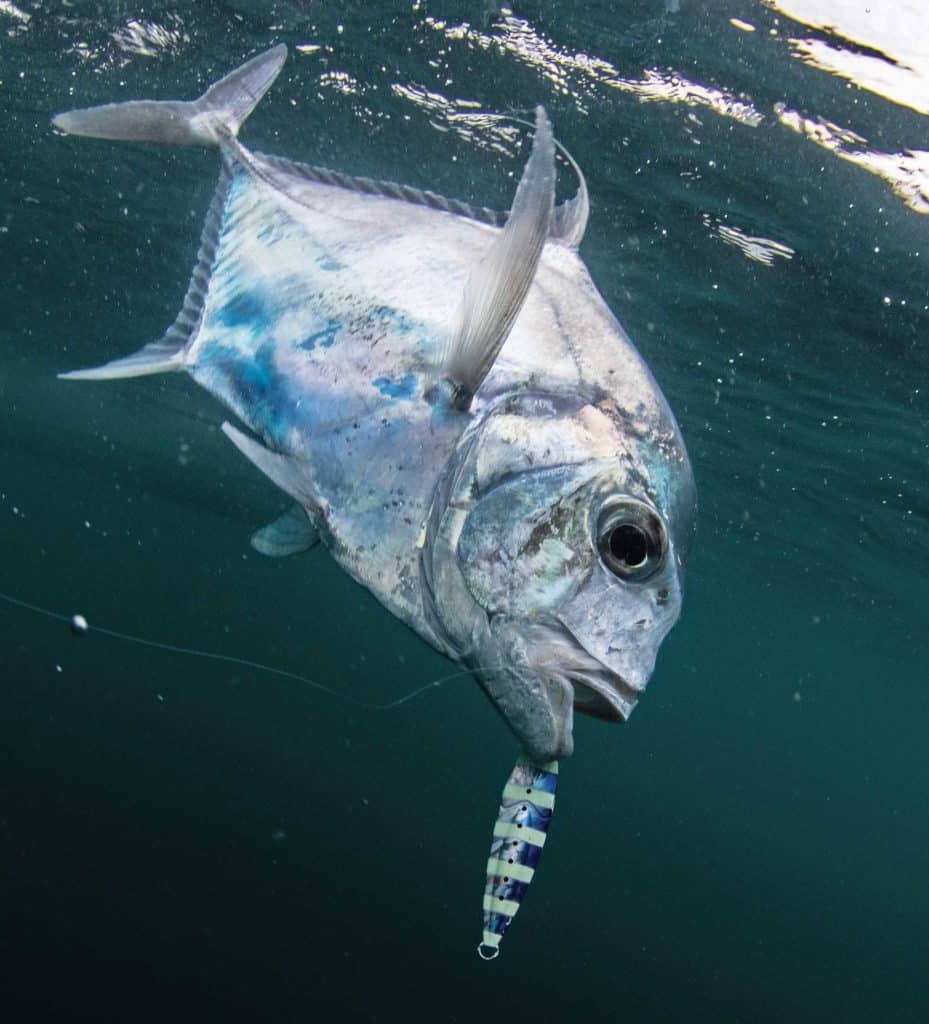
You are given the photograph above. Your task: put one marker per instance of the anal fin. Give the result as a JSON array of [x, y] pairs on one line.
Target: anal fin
[[291, 474], [170, 351], [289, 534]]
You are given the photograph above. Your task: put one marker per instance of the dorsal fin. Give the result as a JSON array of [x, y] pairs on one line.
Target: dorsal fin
[[373, 187], [568, 220], [498, 284]]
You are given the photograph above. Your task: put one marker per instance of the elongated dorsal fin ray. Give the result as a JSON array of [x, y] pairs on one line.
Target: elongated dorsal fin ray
[[288, 472], [498, 284], [569, 220], [289, 534], [206, 121], [167, 354]]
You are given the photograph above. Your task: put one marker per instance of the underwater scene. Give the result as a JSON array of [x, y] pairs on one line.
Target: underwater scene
[[281, 727]]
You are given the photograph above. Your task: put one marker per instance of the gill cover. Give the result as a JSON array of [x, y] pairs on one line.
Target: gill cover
[[491, 640]]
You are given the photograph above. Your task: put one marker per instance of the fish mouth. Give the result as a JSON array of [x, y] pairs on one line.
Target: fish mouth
[[599, 691], [602, 694]]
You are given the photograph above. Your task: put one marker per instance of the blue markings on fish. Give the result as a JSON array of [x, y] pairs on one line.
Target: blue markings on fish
[[244, 308], [454, 410], [324, 337], [403, 388], [328, 263]]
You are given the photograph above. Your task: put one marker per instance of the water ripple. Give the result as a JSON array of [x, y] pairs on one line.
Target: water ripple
[[753, 247], [906, 172], [462, 117], [152, 38], [19, 17], [580, 75]]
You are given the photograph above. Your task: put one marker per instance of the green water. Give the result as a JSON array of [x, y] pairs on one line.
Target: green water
[[183, 839]]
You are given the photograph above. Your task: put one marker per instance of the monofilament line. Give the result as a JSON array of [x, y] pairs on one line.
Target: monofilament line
[[233, 660]]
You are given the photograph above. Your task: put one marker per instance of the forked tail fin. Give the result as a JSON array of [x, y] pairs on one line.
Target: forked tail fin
[[216, 116], [206, 121]]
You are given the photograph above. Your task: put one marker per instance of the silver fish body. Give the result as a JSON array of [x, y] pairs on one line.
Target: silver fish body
[[535, 529]]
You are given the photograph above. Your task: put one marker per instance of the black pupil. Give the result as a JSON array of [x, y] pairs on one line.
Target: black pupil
[[629, 545]]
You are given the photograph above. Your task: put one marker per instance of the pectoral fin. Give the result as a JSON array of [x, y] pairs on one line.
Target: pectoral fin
[[498, 284], [290, 534]]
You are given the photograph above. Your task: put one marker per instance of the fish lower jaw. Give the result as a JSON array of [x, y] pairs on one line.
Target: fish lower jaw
[[603, 694], [599, 691]]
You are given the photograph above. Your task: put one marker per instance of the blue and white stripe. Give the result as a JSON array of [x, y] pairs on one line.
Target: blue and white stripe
[[519, 835]]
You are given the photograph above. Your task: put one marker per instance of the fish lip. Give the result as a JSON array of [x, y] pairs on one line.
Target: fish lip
[[614, 697]]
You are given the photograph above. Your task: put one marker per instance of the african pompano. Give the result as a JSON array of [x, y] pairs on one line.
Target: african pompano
[[456, 413]]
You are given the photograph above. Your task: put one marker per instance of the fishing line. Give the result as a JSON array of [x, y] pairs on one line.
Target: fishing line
[[513, 115], [79, 625]]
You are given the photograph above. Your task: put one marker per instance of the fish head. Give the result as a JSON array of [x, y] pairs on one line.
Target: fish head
[[559, 563]]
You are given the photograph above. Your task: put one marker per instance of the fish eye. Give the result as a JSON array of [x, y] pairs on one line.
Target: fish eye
[[631, 539]]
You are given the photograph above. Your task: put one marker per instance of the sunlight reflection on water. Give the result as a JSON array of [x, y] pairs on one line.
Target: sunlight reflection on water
[[882, 48]]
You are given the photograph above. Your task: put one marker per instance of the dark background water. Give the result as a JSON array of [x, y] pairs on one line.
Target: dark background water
[[188, 839]]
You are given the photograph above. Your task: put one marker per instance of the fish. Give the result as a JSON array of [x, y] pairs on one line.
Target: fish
[[454, 412]]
